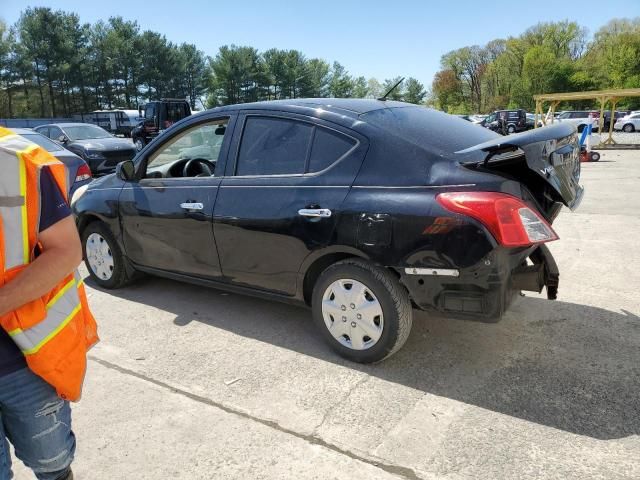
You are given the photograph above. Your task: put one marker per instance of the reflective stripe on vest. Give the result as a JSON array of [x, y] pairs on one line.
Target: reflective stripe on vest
[[13, 206], [60, 311]]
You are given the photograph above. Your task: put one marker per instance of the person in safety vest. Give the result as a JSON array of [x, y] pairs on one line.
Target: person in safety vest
[[46, 327]]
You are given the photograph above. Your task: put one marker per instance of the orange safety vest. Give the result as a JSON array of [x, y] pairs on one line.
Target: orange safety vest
[[55, 331]]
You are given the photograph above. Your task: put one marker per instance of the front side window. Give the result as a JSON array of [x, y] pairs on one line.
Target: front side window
[[54, 133], [273, 146], [202, 142]]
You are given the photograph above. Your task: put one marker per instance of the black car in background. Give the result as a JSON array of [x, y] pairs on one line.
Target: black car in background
[[101, 150], [507, 121], [361, 209], [78, 170], [156, 117]]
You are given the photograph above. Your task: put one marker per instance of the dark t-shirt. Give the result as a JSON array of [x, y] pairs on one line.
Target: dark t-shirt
[[54, 208]]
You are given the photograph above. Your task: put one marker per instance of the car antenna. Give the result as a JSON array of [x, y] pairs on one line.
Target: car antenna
[[384, 97]]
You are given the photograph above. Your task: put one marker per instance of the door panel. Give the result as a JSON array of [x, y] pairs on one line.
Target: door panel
[[167, 217], [261, 236], [159, 233]]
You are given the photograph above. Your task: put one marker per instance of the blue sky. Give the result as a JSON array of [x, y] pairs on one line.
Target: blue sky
[[373, 38]]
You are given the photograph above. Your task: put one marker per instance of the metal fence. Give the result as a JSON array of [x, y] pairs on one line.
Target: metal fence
[[32, 122]]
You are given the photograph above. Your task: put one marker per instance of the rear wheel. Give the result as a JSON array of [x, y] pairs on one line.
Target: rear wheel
[[628, 128], [595, 156], [103, 257], [511, 129], [363, 311]]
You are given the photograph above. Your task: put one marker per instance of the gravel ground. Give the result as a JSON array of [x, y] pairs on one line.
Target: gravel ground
[[625, 138]]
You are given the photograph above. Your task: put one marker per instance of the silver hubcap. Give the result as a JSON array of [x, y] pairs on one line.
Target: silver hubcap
[[139, 145], [352, 314], [99, 256]]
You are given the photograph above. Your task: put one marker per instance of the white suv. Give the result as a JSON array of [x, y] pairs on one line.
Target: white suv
[[578, 118]]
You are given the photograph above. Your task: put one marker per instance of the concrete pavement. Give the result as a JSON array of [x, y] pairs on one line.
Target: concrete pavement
[[190, 382]]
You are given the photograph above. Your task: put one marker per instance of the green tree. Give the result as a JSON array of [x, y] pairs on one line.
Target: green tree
[[414, 91]]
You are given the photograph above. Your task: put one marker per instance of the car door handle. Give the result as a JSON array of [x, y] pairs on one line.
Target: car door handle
[[314, 212], [192, 206]]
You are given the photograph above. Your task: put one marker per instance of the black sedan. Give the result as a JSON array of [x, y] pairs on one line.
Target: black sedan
[[101, 150], [361, 209], [79, 172]]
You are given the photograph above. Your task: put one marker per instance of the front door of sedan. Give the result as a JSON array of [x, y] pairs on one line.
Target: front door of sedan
[[281, 197], [166, 215]]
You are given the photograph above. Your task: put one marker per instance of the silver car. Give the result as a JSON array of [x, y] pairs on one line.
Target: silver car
[[628, 124]]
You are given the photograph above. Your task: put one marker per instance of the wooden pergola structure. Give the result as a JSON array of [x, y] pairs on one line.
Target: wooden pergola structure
[[602, 96]]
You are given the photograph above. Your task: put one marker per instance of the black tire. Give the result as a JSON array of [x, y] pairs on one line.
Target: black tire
[[581, 128], [629, 128], [595, 156], [120, 276], [511, 129], [392, 297]]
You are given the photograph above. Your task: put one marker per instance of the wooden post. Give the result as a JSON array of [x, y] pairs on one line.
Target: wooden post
[[603, 101], [610, 140]]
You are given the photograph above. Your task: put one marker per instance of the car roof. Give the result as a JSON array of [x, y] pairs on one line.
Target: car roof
[[24, 131], [345, 106], [65, 124]]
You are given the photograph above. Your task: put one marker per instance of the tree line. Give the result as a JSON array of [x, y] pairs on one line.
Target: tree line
[[546, 58], [52, 64]]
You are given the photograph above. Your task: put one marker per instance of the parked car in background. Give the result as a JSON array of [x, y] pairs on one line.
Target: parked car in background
[[579, 118], [156, 117], [298, 200], [506, 121], [101, 150], [531, 121], [607, 118], [629, 123], [78, 170]]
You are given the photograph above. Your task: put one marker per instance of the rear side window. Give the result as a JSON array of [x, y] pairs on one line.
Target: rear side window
[[273, 146], [328, 147]]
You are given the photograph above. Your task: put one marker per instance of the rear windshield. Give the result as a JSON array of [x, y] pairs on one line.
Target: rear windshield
[[429, 128], [43, 141]]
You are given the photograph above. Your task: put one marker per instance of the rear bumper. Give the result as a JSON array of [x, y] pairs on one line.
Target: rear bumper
[[484, 291]]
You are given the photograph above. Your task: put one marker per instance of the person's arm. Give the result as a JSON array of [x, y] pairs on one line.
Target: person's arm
[[61, 254]]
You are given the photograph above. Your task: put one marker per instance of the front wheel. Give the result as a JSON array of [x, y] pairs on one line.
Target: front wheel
[[363, 311], [628, 128], [511, 129], [103, 257]]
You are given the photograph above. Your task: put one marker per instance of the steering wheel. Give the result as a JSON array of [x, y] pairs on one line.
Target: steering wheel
[[205, 168]]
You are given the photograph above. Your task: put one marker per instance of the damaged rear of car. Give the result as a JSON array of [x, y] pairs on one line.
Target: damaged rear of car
[[473, 235]]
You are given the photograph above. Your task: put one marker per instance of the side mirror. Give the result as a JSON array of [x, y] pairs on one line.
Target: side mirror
[[126, 171], [63, 139]]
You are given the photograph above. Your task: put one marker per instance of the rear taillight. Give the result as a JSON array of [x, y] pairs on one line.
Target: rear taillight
[[509, 219], [83, 173]]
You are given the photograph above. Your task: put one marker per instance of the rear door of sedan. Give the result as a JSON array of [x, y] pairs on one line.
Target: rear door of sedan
[[280, 200]]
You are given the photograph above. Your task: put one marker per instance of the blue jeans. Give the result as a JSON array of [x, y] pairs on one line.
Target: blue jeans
[[38, 424]]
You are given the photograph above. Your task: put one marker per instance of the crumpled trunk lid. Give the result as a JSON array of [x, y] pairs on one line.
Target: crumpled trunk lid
[[545, 158]]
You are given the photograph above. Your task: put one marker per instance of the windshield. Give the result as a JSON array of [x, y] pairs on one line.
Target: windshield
[[85, 132], [43, 141], [429, 128]]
